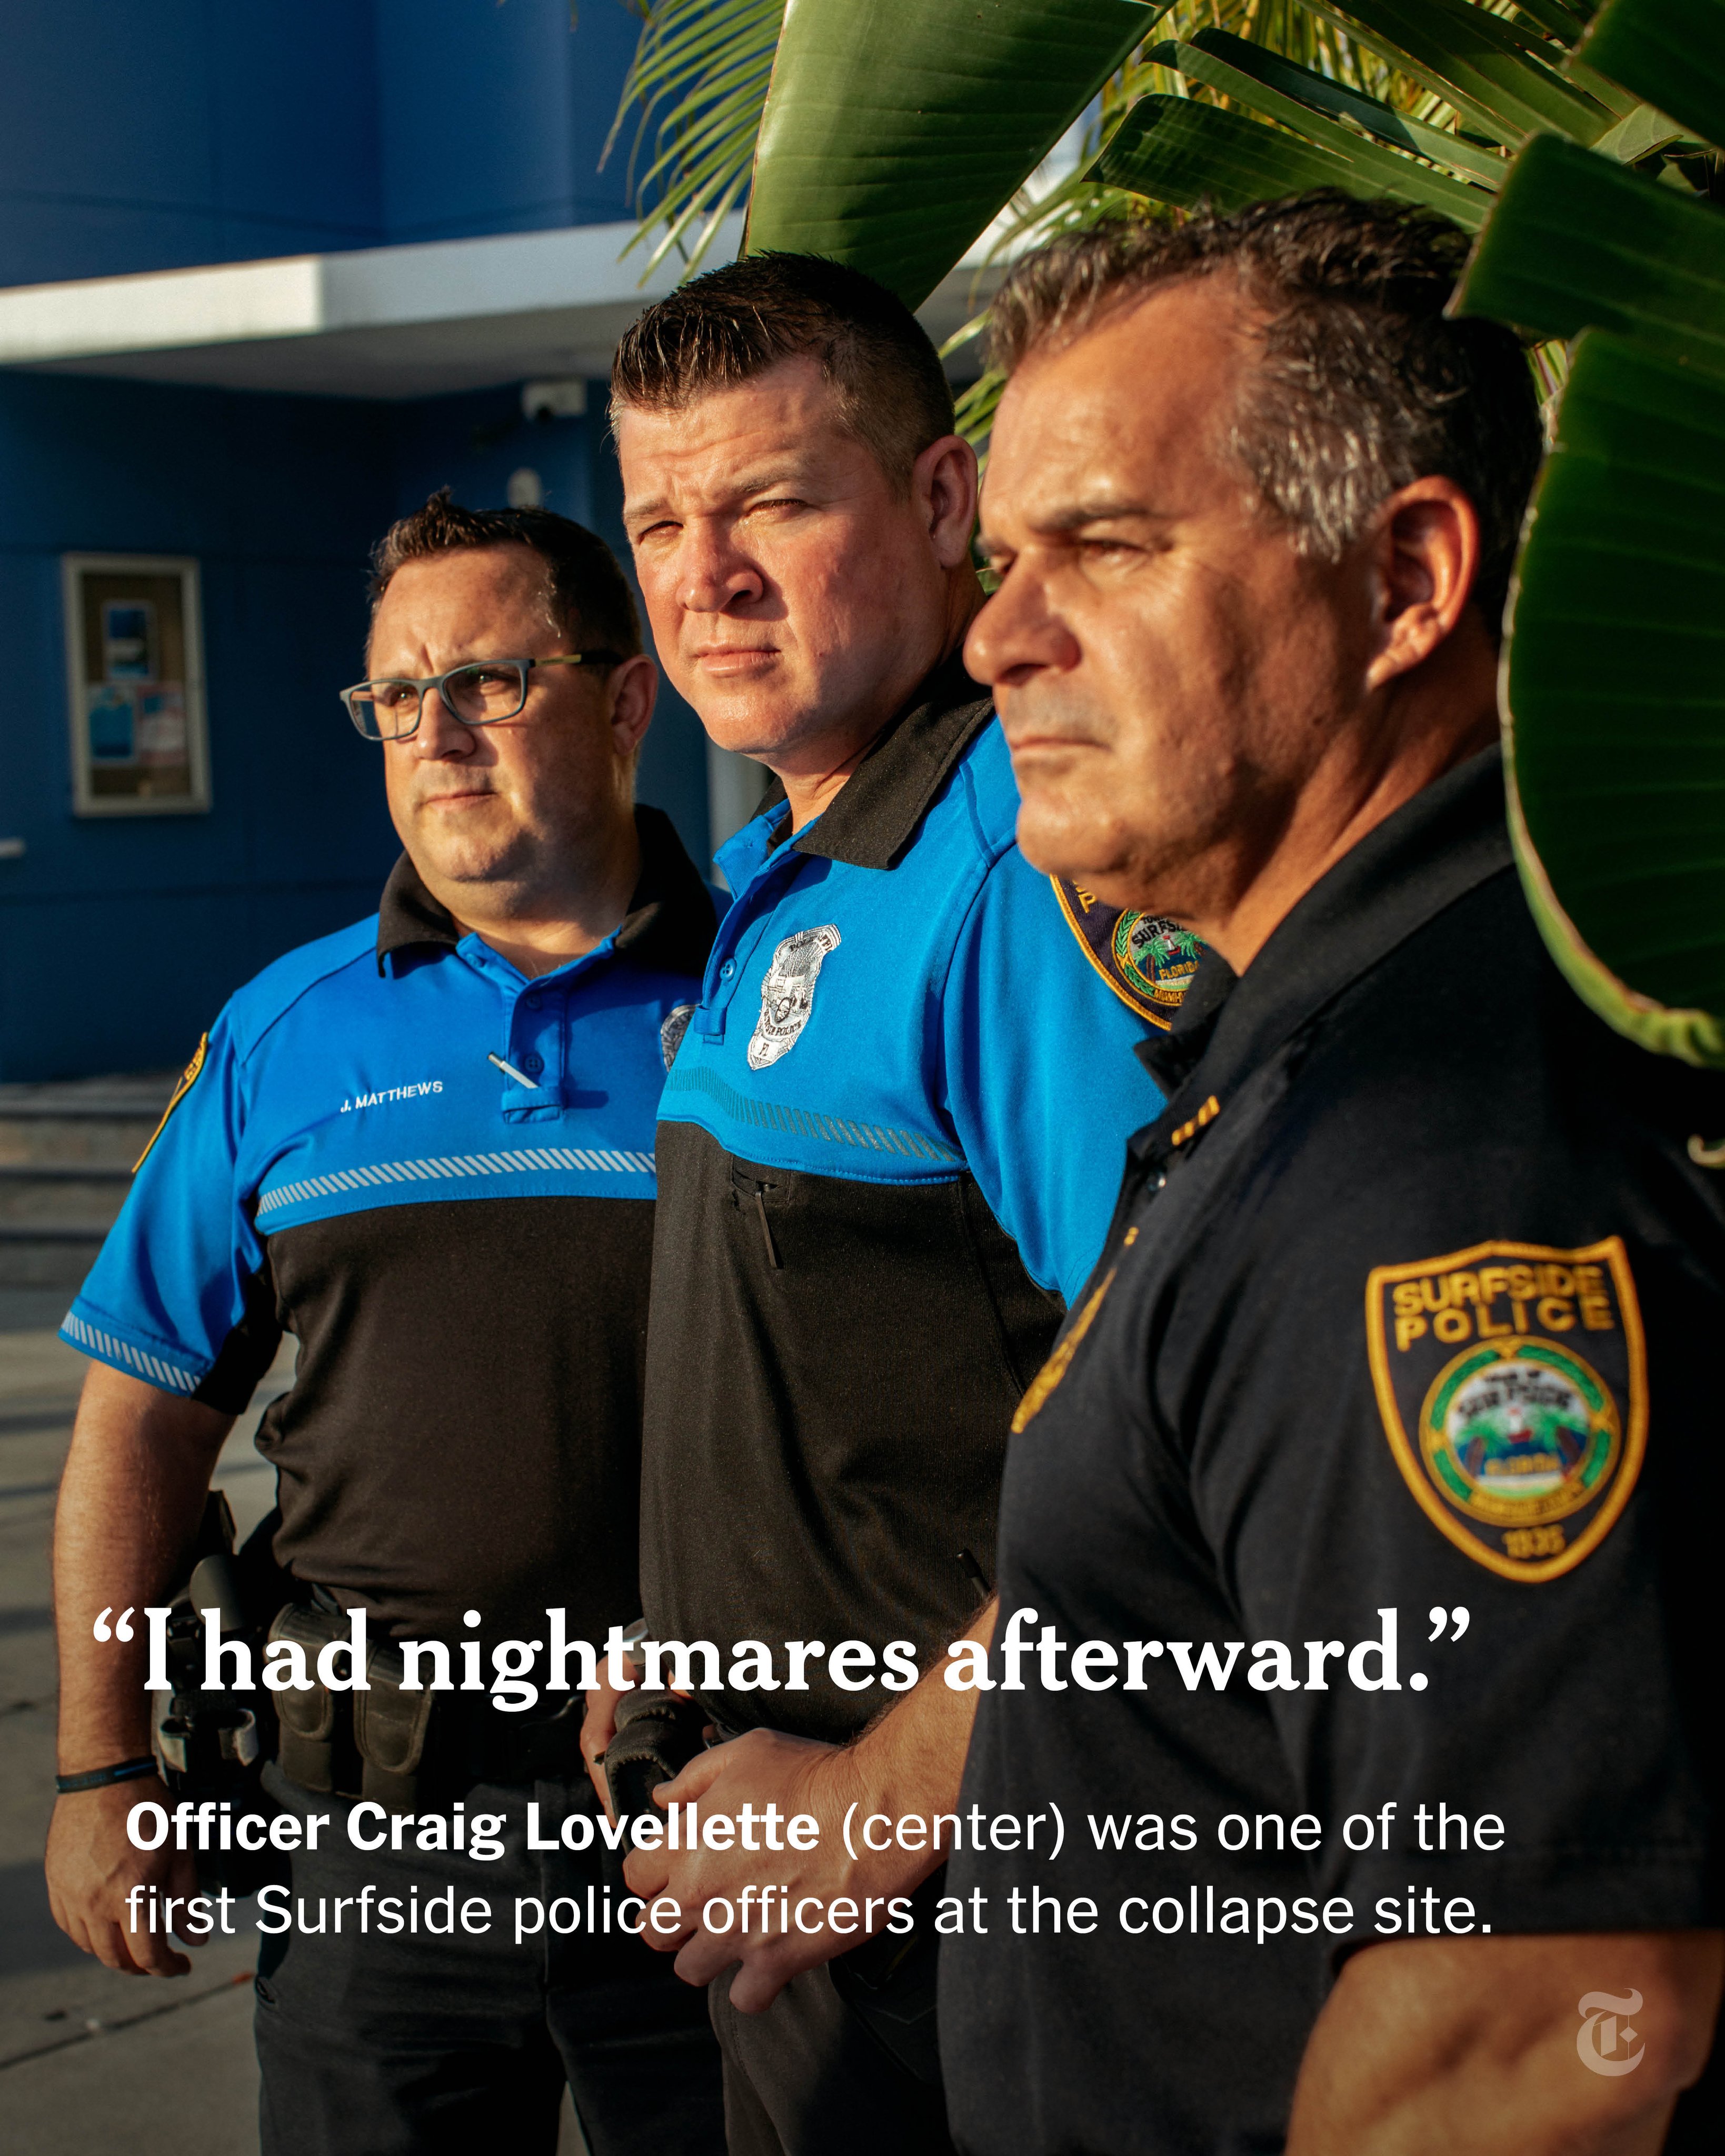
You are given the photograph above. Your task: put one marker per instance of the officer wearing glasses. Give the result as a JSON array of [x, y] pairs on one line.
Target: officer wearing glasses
[[423, 1147]]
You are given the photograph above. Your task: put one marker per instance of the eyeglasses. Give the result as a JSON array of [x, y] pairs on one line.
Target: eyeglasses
[[481, 693]]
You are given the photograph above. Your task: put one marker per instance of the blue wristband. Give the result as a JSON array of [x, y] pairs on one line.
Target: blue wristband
[[99, 1778]]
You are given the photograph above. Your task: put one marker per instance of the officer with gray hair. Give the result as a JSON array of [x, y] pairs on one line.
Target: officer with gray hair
[[1396, 1281]]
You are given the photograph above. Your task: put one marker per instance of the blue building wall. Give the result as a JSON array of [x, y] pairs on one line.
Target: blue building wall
[[497, 115], [203, 130], [119, 936], [136, 137]]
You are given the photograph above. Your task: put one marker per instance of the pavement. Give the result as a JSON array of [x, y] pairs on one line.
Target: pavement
[[89, 2059]]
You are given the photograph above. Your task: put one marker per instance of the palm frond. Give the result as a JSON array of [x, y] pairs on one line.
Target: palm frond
[[1079, 201], [699, 81], [701, 72]]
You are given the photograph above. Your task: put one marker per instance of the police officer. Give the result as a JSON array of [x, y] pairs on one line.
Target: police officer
[[424, 1148], [1392, 1392], [889, 1142]]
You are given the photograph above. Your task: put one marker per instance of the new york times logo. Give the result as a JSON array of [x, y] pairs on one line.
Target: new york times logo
[[1605, 2042]]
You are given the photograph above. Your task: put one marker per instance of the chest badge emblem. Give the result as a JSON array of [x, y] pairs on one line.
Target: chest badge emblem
[[670, 1033], [788, 993], [1513, 1383], [1148, 960]]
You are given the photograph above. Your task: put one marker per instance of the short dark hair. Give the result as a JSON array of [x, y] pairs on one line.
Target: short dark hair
[[589, 597], [735, 323], [1364, 383]]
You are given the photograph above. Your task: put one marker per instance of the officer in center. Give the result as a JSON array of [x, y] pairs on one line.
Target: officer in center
[[889, 1142], [423, 1147]]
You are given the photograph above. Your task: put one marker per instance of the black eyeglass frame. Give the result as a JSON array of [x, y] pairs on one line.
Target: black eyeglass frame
[[524, 666]]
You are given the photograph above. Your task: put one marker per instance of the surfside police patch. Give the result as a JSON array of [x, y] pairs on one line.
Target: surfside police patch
[[1513, 1382], [1148, 960]]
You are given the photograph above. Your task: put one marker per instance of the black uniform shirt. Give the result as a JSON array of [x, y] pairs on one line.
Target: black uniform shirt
[[1411, 1302]]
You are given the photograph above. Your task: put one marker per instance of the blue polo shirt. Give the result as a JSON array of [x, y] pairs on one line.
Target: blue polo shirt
[[438, 1174], [889, 1149]]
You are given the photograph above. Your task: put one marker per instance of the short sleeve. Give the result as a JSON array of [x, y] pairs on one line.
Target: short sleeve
[[179, 1295], [1042, 1084]]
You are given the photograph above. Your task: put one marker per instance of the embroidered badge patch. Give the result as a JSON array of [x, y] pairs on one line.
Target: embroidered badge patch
[[1513, 1382], [788, 993], [671, 1032], [1147, 960], [188, 1076]]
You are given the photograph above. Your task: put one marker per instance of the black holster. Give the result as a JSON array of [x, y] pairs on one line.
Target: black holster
[[369, 1744], [657, 1735], [401, 1749], [212, 1745], [888, 1983]]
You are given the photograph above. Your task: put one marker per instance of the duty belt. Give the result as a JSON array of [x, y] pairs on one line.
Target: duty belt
[[393, 1745]]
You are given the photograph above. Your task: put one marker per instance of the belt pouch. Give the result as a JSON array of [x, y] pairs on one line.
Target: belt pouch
[[389, 1729], [307, 1751]]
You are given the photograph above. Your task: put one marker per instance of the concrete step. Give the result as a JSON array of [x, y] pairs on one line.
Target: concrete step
[[67, 1152], [47, 1260], [78, 1196]]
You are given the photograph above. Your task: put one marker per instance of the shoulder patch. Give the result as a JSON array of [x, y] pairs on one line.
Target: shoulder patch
[[1513, 1382], [1148, 960], [187, 1077]]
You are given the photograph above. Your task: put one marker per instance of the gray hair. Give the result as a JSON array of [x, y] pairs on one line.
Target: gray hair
[[1363, 382]]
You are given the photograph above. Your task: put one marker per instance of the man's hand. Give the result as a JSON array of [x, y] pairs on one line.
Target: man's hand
[[765, 1768], [130, 1498], [1450, 2044], [92, 1867], [907, 1764]]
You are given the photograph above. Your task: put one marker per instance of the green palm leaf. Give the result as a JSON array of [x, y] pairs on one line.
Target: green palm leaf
[[1367, 166], [896, 129], [1175, 150], [1578, 240], [699, 80], [1614, 677], [1502, 80], [1304, 85], [1614, 697], [1671, 53]]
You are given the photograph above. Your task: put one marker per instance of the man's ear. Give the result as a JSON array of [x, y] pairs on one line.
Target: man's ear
[[943, 482], [634, 689], [1423, 556]]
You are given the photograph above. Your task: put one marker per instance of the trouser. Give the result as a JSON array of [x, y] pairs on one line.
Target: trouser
[[806, 2078], [435, 2043]]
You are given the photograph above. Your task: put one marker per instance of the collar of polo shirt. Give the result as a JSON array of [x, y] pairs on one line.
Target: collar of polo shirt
[[670, 913], [875, 813]]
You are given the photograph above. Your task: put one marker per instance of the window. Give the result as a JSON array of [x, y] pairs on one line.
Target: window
[[135, 671]]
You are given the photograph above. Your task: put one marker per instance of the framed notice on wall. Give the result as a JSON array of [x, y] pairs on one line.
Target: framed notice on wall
[[135, 664]]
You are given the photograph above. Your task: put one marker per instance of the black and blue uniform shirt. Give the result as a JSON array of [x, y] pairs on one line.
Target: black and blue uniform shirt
[[462, 1254], [888, 1147], [1410, 1302]]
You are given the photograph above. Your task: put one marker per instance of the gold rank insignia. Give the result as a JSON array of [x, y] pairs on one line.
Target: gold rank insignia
[[1513, 1382], [1148, 961]]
